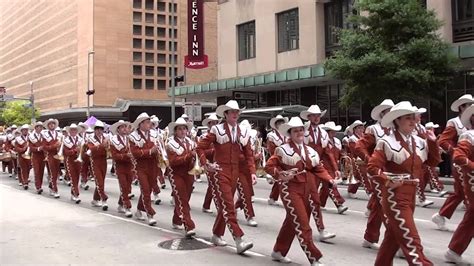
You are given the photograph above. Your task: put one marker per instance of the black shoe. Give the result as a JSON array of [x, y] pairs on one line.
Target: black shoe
[[25, 187], [105, 207], [163, 186], [39, 191]]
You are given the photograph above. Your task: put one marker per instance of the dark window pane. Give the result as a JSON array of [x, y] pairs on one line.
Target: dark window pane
[[288, 30], [246, 40], [137, 84]]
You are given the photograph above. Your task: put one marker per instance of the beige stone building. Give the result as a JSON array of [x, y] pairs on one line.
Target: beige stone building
[[50, 43], [271, 54]]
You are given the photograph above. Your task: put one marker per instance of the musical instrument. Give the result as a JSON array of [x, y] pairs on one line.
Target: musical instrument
[[5, 156], [197, 169], [132, 159], [347, 169], [81, 149], [107, 148], [163, 161], [291, 173], [27, 154], [60, 155]]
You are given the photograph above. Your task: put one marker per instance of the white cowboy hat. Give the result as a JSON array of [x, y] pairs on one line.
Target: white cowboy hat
[[99, 123], [179, 122], [39, 124], [466, 98], [276, 119], [64, 129], [13, 127], [384, 105], [155, 120], [431, 125], [400, 109], [212, 117], [246, 124], [466, 117], [313, 109], [185, 116], [331, 126], [51, 120], [83, 125], [420, 111], [57, 129], [355, 124], [230, 105], [25, 126], [293, 123], [346, 131], [114, 127], [73, 126], [140, 118], [89, 130]]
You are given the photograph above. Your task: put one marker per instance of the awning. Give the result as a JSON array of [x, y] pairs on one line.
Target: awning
[[266, 113]]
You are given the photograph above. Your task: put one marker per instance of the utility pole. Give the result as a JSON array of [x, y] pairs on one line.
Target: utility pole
[[89, 92], [173, 99], [32, 100]]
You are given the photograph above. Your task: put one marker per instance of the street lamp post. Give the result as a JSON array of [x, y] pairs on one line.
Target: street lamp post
[[32, 100], [173, 74], [88, 83]]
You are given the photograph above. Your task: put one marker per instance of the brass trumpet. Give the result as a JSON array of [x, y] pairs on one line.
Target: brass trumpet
[[260, 171], [197, 169]]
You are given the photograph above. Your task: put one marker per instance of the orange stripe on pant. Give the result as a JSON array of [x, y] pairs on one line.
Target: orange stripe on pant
[[182, 185]]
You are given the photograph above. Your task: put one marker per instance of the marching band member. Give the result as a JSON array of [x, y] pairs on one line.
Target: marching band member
[[420, 131], [360, 170], [335, 147], [182, 158], [21, 146], [209, 122], [67, 176], [35, 140], [158, 135], [9, 147], [275, 140], [124, 162], [72, 147], [296, 167], [435, 184], [245, 182], [97, 148], [86, 132], [51, 146], [396, 166], [463, 155], [318, 139], [146, 154], [448, 141], [364, 149], [230, 141]]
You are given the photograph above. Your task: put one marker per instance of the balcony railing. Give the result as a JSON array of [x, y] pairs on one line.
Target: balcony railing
[[463, 30]]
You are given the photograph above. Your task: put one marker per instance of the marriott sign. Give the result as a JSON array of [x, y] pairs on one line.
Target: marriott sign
[[196, 58]]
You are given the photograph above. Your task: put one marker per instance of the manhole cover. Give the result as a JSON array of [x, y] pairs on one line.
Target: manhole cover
[[184, 244]]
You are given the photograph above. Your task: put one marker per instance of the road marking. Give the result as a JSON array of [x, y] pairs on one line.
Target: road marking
[[248, 252]]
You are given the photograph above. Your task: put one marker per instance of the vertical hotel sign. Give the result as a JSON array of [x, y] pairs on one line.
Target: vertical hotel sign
[[196, 59]]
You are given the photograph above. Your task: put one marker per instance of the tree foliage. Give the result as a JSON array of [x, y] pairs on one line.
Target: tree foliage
[[17, 112], [393, 51]]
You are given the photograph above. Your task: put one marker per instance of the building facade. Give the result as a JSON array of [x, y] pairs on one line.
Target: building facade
[[271, 53], [120, 49]]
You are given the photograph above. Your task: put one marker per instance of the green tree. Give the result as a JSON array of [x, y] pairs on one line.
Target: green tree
[[393, 51], [17, 112]]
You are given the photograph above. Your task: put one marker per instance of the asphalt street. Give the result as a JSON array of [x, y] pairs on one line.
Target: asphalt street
[[37, 229]]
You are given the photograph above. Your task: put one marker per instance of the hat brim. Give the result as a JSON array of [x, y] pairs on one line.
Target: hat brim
[[351, 127], [137, 122], [55, 121], [206, 121], [274, 120], [173, 125], [221, 109], [466, 117], [375, 114], [79, 129], [336, 128], [285, 129], [115, 126], [304, 114], [455, 105], [387, 120]]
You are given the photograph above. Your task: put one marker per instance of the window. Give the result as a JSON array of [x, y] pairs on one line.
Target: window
[[137, 84], [171, 21], [137, 56], [288, 31], [336, 16], [149, 4], [137, 3], [161, 32], [175, 58], [149, 58], [137, 43], [149, 84], [149, 71], [149, 18], [161, 19], [161, 84], [149, 31], [137, 70], [170, 31], [175, 47], [246, 35], [161, 58], [171, 9], [161, 45], [463, 20], [137, 30], [137, 17], [161, 6], [149, 44], [161, 71], [175, 71]]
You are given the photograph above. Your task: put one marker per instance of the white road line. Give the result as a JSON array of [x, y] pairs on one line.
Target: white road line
[[248, 252]]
